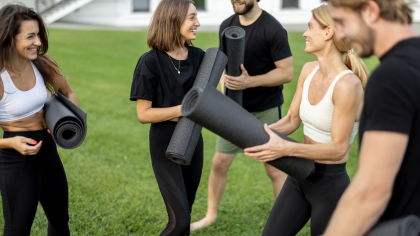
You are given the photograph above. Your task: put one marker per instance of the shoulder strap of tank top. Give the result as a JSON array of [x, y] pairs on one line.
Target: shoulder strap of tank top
[[337, 79], [311, 75], [308, 80], [9, 87]]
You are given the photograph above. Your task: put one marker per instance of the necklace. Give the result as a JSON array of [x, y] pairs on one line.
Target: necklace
[[179, 72]]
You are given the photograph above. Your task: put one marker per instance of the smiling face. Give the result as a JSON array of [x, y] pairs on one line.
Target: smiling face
[[351, 26], [28, 41], [242, 7], [315, 37], [190, 24]]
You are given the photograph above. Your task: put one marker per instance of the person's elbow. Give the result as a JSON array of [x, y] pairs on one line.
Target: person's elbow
[[289, 76], [142, 118], [340, 152]]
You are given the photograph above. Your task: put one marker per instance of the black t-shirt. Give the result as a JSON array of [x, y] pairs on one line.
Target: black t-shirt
[[156, 79], [392, 103], [265, 43]]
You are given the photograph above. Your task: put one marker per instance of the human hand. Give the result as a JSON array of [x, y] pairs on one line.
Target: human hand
[[241, 82], [20, 144], [275, 148]]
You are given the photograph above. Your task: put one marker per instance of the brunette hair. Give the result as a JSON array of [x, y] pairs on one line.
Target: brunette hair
[[391, 10], [165, 29], [12, 16], [322, 15]]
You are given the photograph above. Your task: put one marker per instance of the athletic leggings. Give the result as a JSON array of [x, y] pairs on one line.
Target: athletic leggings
[[25, 180], [178, 184], [315, 197]]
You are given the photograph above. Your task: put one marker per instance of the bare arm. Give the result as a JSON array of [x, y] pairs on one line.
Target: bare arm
[[283, 73], [366, 198], [147, 114], [347, 97], [64, 88], [291, 122]]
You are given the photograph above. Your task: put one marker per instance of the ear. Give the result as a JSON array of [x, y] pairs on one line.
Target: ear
[[329, 33], [371, 12]]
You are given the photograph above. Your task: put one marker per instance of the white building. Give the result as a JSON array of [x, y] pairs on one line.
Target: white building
[[138, 13]]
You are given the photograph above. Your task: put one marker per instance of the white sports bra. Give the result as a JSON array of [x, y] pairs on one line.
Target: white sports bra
[[17, 104], [317, 118]]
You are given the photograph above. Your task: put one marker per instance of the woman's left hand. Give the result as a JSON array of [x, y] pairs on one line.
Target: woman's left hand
[[275, 148]]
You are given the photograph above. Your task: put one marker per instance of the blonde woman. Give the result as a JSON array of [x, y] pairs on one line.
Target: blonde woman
[[328, 100]]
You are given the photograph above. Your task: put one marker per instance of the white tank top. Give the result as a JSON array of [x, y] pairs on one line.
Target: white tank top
[[17, 104], [317, 118]]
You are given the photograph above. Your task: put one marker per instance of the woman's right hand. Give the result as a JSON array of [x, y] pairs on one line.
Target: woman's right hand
[[20, 144]]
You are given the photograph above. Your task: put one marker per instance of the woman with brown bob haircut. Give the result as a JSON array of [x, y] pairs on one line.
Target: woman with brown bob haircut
[[162, 77], [30, 168]]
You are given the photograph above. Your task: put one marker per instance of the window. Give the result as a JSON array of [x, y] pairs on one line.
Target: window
[[287, 4], [200, 4], [140, 5]]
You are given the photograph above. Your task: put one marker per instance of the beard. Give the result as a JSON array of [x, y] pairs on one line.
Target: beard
[[366, 40], [248, 7]]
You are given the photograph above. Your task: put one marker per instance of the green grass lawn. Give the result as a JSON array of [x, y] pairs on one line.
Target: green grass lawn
[[111, 183]]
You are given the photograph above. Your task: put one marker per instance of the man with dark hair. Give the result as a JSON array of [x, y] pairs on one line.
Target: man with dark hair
[[268, 65], [387, 183]]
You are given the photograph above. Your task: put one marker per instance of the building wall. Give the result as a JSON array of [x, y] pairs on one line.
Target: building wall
[[119, 13]]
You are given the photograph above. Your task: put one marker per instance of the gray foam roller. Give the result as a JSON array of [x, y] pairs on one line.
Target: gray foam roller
[[187, 133], [407, 226], [221, 115], [232, 42], [66, 122]]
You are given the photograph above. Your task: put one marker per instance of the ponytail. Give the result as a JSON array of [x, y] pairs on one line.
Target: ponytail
[[356, 64]]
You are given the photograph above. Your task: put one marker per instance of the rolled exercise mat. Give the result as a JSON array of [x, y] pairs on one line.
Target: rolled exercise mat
[[66, 121], [221, 115], [232, 42], [406, 226], [187, 133]]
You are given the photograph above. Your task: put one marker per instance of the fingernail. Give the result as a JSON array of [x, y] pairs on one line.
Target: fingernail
[[42, 142], [35, 142], [48, 131]]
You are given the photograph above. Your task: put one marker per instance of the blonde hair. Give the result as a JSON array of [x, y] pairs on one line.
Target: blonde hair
[[352, 61], [391, 10]]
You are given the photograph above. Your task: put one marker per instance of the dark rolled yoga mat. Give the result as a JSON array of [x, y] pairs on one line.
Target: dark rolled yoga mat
[[232, 42], [406, 226], [221, 115], [66, 121], [187, 133]]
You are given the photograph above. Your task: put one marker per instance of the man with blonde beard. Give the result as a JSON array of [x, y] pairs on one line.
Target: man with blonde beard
[[387, 183], [267, 66]]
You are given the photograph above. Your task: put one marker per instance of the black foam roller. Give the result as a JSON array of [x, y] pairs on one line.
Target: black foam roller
[[406, 226], [66, 121], [187, 133], [232, 42], [223, 116]]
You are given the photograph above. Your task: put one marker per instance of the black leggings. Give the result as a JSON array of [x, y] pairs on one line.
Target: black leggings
[[178, 184], [25, 180], [315, 197]]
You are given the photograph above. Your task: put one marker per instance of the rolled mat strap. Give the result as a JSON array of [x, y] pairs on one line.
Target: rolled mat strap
[[221, 115], [187, 133], [232, 42], [66, 121], [406, 226]]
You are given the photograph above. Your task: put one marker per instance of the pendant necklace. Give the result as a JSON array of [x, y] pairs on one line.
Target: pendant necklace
[[179, 72]]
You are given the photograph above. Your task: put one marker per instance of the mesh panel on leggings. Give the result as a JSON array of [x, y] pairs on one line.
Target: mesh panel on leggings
[[179, 198]]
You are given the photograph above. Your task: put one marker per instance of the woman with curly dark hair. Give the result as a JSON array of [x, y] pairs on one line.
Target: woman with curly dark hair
[[30, 168]]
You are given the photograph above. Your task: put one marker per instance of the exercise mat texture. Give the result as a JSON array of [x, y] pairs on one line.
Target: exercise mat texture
[[187, 133], [221, 115], [66, 121], [232, 42], [407, 226]]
